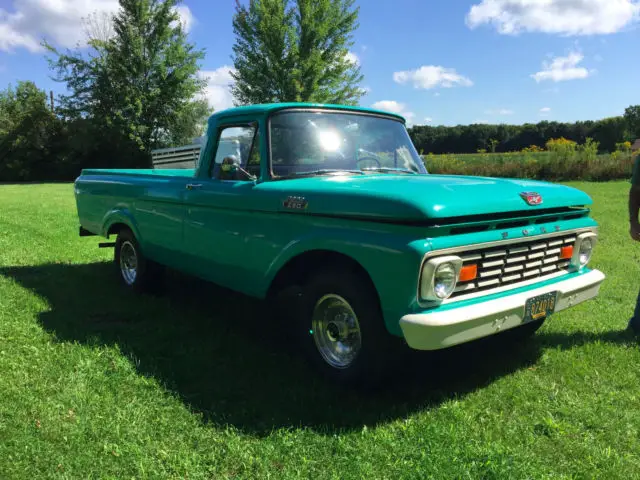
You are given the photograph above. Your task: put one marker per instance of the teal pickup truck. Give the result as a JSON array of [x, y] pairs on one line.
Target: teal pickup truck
[[328, 212]]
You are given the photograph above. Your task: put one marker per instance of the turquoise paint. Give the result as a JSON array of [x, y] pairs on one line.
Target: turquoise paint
[[239, 234]]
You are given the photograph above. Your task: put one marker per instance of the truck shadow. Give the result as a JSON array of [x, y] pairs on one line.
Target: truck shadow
[[215, 349]]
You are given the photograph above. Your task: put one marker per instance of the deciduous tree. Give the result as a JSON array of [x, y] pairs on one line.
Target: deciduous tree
[[140, 80], [295, 51]]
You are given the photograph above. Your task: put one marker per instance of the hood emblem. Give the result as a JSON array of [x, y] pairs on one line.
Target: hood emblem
[[532, 198]]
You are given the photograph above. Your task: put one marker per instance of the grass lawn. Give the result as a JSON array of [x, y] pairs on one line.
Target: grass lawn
[[99, 383]]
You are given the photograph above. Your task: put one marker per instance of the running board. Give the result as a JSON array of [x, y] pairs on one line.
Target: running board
[[106, 244]]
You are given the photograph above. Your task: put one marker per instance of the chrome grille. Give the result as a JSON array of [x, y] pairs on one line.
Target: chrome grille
[[514, 263]]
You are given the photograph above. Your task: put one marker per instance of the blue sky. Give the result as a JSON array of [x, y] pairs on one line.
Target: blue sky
[[437, 62]]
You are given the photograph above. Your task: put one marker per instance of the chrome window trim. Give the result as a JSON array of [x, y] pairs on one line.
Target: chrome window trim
[[497, 243]]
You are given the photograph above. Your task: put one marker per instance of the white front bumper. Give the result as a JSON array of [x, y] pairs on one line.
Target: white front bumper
[[441, 329]]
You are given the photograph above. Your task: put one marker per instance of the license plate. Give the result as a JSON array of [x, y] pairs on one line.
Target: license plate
[[540, 307]]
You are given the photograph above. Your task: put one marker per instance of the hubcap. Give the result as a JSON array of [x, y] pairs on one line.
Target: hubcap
[[128, 262], [336, 331]]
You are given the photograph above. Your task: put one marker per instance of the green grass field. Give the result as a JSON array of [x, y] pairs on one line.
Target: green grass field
[[99, 383]]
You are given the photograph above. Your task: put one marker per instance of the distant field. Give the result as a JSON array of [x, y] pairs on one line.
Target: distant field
[[538, 165], [489, 157], [99, 383]]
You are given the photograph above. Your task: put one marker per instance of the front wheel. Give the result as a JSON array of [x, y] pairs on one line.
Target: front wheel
[[342, 329]]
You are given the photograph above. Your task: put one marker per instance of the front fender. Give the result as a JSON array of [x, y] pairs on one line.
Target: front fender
[[392, 262]]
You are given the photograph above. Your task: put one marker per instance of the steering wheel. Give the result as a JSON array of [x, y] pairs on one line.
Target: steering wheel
[[369, 157]]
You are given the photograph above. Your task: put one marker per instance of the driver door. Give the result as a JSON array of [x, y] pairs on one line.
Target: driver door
[[219, 208]]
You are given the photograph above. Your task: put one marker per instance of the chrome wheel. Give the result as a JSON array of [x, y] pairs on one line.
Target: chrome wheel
[[128, 262], [336, 331]]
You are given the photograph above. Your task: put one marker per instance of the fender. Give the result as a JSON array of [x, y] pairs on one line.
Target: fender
[[391, 262], [120, 215]]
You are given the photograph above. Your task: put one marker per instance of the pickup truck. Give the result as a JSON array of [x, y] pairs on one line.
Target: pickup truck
[[328, 213]]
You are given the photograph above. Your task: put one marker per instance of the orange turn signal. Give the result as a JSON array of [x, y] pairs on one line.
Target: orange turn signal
[[468, 273], [566, 252]]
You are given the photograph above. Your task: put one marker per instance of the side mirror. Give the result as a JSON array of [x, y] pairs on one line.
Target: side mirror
[[230, 164]]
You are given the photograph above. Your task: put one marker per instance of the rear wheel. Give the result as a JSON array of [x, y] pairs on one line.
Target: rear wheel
[[136, 271], [342, 330]]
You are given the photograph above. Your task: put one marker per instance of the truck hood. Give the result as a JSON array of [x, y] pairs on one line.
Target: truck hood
[[422, 197]]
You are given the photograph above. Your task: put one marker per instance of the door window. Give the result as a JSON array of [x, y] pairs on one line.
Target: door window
[[238, 154]]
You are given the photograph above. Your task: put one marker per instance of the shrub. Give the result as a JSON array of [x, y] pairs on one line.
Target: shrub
[[583, 164], [624, 147]]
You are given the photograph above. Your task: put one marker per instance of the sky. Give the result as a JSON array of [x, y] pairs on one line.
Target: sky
[[437, 62]]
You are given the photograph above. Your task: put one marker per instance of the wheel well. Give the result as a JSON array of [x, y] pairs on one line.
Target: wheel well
[[297, 271], [115, 228]]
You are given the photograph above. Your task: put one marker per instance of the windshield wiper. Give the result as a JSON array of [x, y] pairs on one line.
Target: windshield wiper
[[388, 169], [323, 171]]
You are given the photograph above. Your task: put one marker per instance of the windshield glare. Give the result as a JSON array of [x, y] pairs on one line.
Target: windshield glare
[[306, 142]]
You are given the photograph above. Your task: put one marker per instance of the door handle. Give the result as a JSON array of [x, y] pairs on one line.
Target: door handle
[[191, 186]]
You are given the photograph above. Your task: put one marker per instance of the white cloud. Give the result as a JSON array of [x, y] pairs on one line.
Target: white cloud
[[501, 111], [395, 107], [186, 17], [428, 120], [217, 90], [58, 21], [431, 76], [562, 68], [566, 17], [479, 120], [437, 94], [544, 111], [352, 58]]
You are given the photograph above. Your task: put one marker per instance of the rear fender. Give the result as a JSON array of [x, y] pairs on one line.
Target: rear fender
[[120, 215]]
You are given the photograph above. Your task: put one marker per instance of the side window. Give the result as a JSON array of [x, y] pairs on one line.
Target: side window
[[253, 165], [232, 155]]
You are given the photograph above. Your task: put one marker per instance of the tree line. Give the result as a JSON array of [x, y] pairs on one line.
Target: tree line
[[136, 86], [607, 132]]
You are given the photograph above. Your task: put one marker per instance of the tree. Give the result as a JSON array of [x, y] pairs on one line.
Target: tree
[[27, 132], [632, 117], [295, 50], [139, 81]]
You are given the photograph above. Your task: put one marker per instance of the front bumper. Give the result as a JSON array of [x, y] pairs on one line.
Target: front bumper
[[441, 329]]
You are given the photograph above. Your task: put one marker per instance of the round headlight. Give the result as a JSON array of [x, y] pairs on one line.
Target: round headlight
[[444, 280], [586, 249]]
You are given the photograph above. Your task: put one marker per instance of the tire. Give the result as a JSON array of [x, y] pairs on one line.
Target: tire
[[341, 330], [136, 272]]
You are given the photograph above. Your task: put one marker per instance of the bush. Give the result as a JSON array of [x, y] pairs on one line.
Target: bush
[[567, 162]]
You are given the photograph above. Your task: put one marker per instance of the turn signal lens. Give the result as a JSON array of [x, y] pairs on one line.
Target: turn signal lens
[[468, 273], [566, 252]]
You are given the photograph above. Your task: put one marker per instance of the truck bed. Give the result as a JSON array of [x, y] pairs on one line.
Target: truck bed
[[174, 172]]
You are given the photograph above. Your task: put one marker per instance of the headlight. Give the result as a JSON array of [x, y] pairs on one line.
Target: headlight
[[444, 280], [583, 249], [586, 249], [439, 278]]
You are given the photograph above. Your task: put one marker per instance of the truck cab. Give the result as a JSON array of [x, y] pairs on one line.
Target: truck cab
[[329, 213]]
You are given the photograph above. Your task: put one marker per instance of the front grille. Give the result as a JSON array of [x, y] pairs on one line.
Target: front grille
[[514, 263]]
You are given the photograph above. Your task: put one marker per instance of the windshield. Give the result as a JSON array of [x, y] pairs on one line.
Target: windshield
[[318, 143]]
